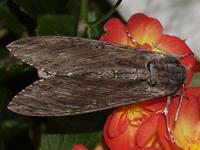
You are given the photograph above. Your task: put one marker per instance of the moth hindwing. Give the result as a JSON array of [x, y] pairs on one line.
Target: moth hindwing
[[81, 75]]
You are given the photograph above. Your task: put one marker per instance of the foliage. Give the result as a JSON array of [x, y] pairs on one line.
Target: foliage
[[22, 18]]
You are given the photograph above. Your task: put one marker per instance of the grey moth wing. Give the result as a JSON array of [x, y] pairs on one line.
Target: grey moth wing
[[69, 55], [62, 96], [81, 75]]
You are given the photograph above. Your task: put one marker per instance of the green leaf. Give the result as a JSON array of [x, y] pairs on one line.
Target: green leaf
[[3, 1], [94, 32], [66, 141], [196, 80], [92, 16], [85, 129], [73, 6], [3, 54], [36, 8], [56, 25], [14, 76], [12, 127], [10, 21], [2, 145]]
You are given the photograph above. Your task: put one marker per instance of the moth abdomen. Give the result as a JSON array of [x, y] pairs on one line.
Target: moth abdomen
[[120, 74]]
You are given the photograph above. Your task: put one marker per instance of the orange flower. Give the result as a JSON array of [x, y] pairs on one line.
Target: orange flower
[[186, 130], [142, 126], [133, 127], [148, 32]]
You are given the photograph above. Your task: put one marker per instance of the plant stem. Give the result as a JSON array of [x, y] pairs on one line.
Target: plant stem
[[106, 16], [83, 18], [36, 135]]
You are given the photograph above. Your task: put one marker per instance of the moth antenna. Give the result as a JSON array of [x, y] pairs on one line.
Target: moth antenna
[[160, 49], [166, 113], [188, 54], [179, 108], [177, 56]]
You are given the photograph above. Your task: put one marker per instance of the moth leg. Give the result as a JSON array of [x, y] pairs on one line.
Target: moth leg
[[182, 95], [133, 40], [166, 113], [179, 107]]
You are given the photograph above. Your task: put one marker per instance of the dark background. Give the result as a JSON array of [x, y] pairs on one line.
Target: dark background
[[22, 18]]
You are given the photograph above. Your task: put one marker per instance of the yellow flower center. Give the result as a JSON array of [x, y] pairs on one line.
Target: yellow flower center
[[192, 146], [136, 115], [194, 143]]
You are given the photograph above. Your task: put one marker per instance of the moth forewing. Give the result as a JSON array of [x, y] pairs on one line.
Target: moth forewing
[[83, 75]]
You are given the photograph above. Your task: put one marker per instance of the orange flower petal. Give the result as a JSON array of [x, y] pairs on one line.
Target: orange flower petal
[[154, 105], [144, 29], [183, 129], [190, 108], [146, 133], [197, 66], [117, 122], [195, 91], [125, 141], [175, 46], [146, 148], [189, 76], [115, 32], [164, 137], [120, 131], [150, 148]]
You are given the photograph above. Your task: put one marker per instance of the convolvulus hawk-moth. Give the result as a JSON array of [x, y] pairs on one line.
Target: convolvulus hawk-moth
[[81, 75]]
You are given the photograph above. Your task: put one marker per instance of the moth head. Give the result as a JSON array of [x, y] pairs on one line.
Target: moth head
[[166, 73]]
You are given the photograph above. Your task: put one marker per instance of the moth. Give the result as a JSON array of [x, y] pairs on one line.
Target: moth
[[80, 75]]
